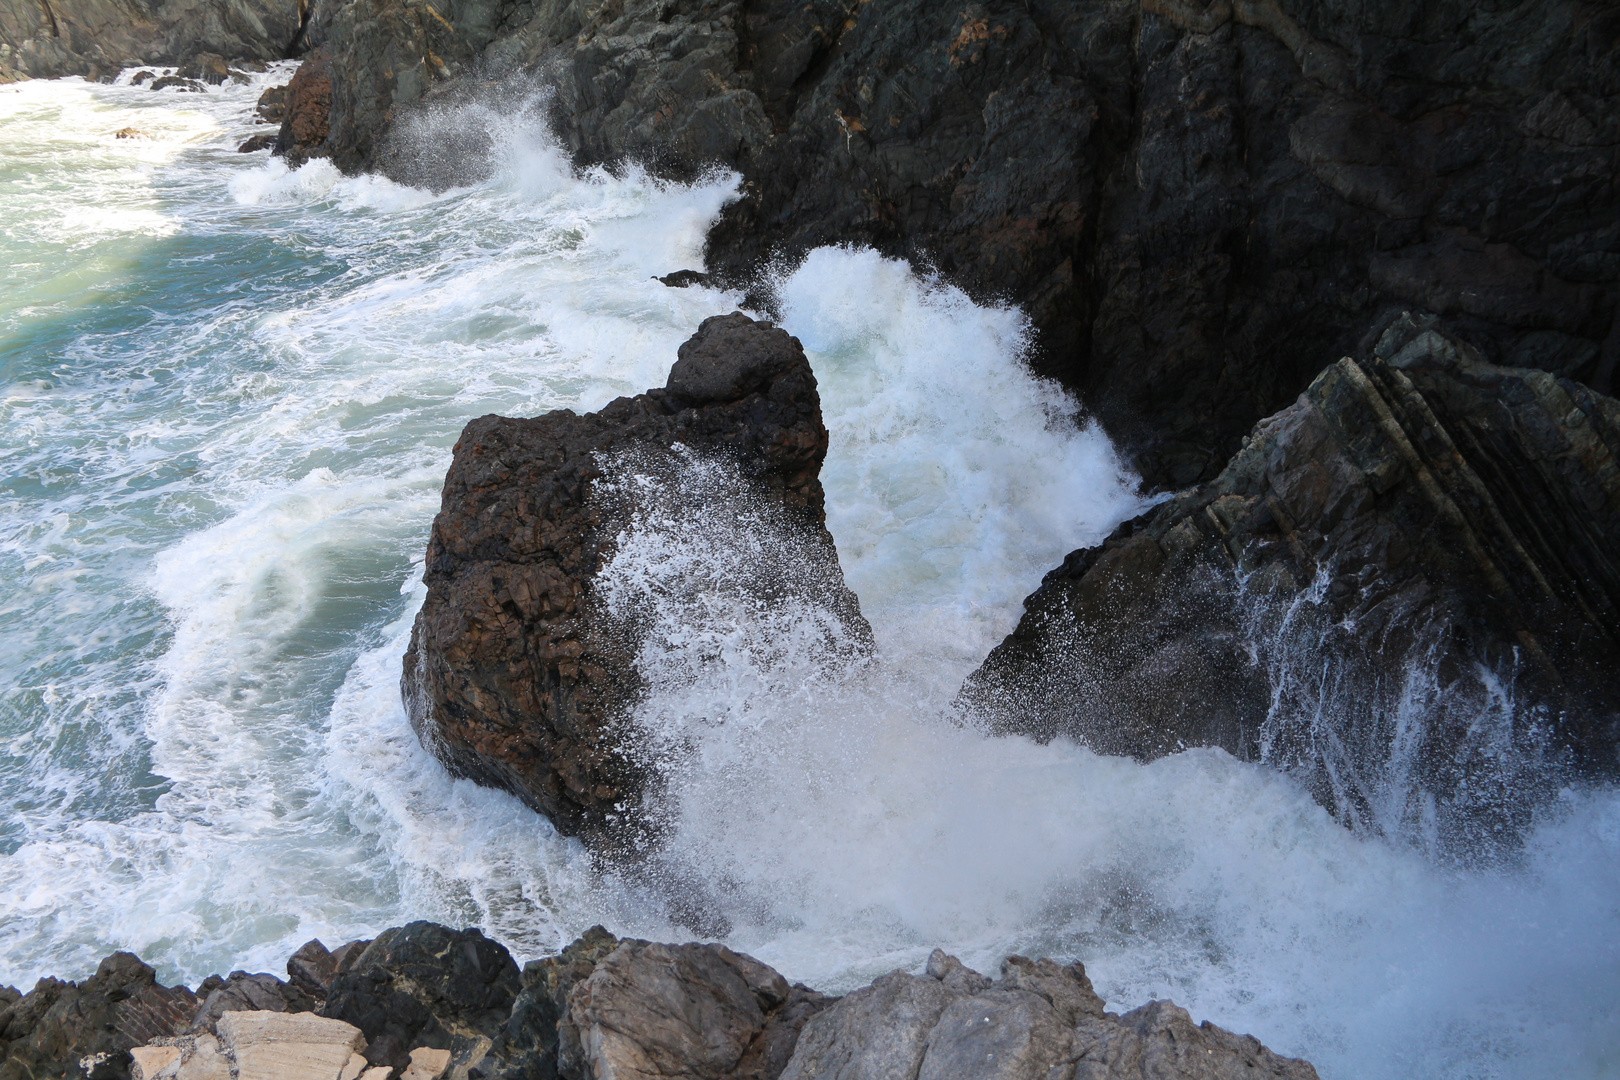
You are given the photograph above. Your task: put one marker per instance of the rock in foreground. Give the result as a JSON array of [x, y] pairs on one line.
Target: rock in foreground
[[641, 1010], [518, 675], [1404, 589]]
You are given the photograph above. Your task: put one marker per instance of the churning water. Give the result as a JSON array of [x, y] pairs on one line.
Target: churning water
[[229, 393]]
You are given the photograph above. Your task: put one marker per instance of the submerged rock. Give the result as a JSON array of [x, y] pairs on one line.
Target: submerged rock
[[85, 1031], [1404, 590], [518, 674]]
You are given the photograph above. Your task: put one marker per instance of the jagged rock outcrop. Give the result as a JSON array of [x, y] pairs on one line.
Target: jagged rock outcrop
[[1199, 204], [305, 109], [95, 38], [517, 675], [1404, 589], [85, 1031], [425, 985], [641, 1010]]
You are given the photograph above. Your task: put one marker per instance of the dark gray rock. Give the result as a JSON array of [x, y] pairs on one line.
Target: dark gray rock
[[312, 968], [517, 676], [244, 992], [426, 985], [84, 1031], [96, 38], [1403, 590], [1198, 204]]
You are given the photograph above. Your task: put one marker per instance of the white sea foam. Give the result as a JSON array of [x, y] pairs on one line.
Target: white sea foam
[[220, 482]]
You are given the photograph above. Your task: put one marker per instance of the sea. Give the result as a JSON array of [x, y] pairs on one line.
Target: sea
[[228, 396]]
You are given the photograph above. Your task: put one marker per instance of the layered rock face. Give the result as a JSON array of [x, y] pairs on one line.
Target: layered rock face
[[1404, 589], [94, 38], [450, 1005], [1198, 204], [519, 675]]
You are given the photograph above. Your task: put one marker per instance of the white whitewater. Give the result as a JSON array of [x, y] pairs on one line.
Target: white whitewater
[[228, 396]]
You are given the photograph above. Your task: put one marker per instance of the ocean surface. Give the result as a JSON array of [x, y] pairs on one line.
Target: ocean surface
[[228, 394]]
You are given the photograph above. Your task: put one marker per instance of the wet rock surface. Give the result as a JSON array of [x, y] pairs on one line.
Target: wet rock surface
[[1199, 204], [424, 985], [1403, 590], [517, 675], [306, 110]]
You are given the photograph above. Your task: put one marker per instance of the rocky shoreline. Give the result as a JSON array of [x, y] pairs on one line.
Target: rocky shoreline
[[426, 1002]]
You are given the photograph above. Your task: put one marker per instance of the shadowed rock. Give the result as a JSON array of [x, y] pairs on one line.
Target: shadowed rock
[[85, 1031], [1404, 590], [517, 676]]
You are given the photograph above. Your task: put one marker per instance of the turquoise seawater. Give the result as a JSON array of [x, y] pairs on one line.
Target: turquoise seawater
[[228, 394]]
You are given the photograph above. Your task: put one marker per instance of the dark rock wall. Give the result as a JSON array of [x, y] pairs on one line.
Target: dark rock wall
[[95, 38], [1198, 205], [1404, 590]]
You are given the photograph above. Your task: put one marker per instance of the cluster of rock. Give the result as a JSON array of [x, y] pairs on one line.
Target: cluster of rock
[[516, 675], [425, 1002], [1420, 514]]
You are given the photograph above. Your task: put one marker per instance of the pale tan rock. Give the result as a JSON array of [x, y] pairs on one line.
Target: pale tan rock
[[203, 1059], [288, 1046], [356, 1066], [381, 1072], [426, 1064], [153, 1061]]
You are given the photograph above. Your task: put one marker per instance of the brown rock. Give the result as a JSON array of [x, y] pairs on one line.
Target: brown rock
[[516, 675], [305, 121], [272, 105], [255, 143]]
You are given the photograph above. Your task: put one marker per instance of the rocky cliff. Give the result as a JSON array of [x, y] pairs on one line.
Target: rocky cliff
[[1403, 589], [520, 673], [431, 1003], [95, 38], [1199, 204]]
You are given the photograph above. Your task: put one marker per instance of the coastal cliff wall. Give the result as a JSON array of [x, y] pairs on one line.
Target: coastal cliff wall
[[1198, 205]]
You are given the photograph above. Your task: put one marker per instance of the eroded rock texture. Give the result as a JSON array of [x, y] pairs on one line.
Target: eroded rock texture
[[85, 1031], [95, 38], [1041, 1020], [1404, 589], [518, 675], [425, 985], [1199, 204]]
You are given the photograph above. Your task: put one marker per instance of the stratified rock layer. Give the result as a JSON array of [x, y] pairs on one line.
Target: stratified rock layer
[[1408, 577], [85, 1031], [516, 675]]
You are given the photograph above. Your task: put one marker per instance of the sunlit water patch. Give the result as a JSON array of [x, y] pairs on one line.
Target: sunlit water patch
[[229, 391]]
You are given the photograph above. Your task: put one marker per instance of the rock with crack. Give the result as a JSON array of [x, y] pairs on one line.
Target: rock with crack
[[426, 986], [85, 1031], [518, 674], [1404, 589]]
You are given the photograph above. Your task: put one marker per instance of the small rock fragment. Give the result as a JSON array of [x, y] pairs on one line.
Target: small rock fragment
[[427, 1064], [151, 1062]]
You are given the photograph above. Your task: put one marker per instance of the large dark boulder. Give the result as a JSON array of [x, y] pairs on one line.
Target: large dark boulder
[[426, 985], [97, 37], [517, 674], [1404, 589], [84, 1031]]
